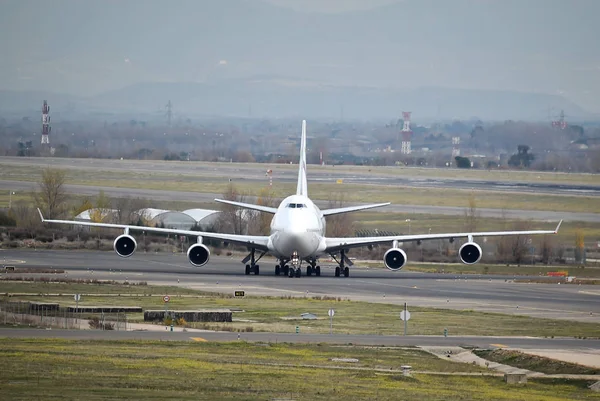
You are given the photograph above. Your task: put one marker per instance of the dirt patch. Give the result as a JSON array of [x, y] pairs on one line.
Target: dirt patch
[[534, 363]]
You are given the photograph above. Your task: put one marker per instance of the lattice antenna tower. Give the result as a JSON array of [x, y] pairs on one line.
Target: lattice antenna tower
[[169, 113], [406, 133]]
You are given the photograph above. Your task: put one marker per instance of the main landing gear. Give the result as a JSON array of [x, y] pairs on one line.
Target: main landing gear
[[313, 268], [341, 268], [253, 267], [282, 268]]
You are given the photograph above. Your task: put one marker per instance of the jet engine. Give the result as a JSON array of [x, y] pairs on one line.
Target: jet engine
[[394, 259], [470, 253], [198, 254], [125, 245]]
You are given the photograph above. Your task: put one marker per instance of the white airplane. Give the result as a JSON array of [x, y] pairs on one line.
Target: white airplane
[[298, 235]]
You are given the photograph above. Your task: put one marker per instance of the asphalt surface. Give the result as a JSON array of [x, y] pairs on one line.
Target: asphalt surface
[[256, 173], [159, 195], [462, 341], [226, 274]]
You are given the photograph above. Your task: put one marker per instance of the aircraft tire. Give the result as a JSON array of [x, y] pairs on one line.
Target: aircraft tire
[[337, 271], [318, 271], [346, 271], [277, 270], [247, 270], [256, 270]]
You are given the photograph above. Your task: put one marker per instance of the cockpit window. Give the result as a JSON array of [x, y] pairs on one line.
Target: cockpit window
[[296, 205]]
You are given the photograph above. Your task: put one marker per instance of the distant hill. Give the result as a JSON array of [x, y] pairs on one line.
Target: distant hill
[[105, 48], [263, 97]]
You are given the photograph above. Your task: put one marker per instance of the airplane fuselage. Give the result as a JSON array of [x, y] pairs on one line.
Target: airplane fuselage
[[297, 226]]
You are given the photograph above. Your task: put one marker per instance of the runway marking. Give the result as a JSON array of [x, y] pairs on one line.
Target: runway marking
[[589, 292], [199, 339], [499, 345], [13, 261]]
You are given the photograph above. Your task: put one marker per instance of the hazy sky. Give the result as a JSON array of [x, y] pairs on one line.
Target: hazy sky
[[331, 6], [86, 47]]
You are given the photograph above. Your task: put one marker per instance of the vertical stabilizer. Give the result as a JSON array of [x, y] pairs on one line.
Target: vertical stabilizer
[[302, 188]]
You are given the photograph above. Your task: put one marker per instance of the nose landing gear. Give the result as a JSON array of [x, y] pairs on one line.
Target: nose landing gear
[[295, 270]]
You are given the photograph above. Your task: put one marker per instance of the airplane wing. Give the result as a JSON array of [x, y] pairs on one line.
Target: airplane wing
[[330, 212], [336, 244], [265, 209], [255, 241]]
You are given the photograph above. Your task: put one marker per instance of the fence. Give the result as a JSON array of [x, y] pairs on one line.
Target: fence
[[52, 315]]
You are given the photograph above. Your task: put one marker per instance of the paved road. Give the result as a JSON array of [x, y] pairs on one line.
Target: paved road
[[467, 341], [158, 195], [223, 274]]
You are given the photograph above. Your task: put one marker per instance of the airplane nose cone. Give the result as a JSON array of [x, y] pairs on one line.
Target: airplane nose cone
[[301, 241]]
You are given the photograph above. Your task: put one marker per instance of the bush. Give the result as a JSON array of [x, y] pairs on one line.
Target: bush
[[95, 323], [6, 220]]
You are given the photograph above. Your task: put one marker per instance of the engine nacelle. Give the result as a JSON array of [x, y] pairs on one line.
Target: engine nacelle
[[198, 255], [394, 259], [125, 245], [470, 253]]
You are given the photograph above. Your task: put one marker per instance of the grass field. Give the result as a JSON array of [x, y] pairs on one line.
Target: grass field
[[402, 171], [318, 191], [75, 370], [498, 269], [282, 314]]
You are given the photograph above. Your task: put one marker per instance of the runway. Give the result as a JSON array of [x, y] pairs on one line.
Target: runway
[[225, 275], [208, 198], [571, 344], [252, 172]]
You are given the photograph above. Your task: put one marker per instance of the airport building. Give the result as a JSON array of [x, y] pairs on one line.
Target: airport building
[[157, 217]]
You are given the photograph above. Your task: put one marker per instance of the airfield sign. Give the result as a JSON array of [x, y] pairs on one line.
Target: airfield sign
[[331, 313], [405, 316], [166, 298]]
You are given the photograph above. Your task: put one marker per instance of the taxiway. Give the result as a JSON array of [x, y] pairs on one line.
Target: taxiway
[[490, 293]]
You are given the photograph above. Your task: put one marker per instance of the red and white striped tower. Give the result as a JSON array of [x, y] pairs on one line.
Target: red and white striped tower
[[455, 146], [560, 123], [45, 123], [269, 174], [406, 133]]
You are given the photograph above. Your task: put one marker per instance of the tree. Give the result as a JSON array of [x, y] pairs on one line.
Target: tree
[[579, 246], [52, 196], [462, 162], [547, 249], [471, 215], [261, 223], [102, 209], [338, 225], [522, 158], [86, 204], [127, 209], [520, 243], [232, 218], [26, 217]]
